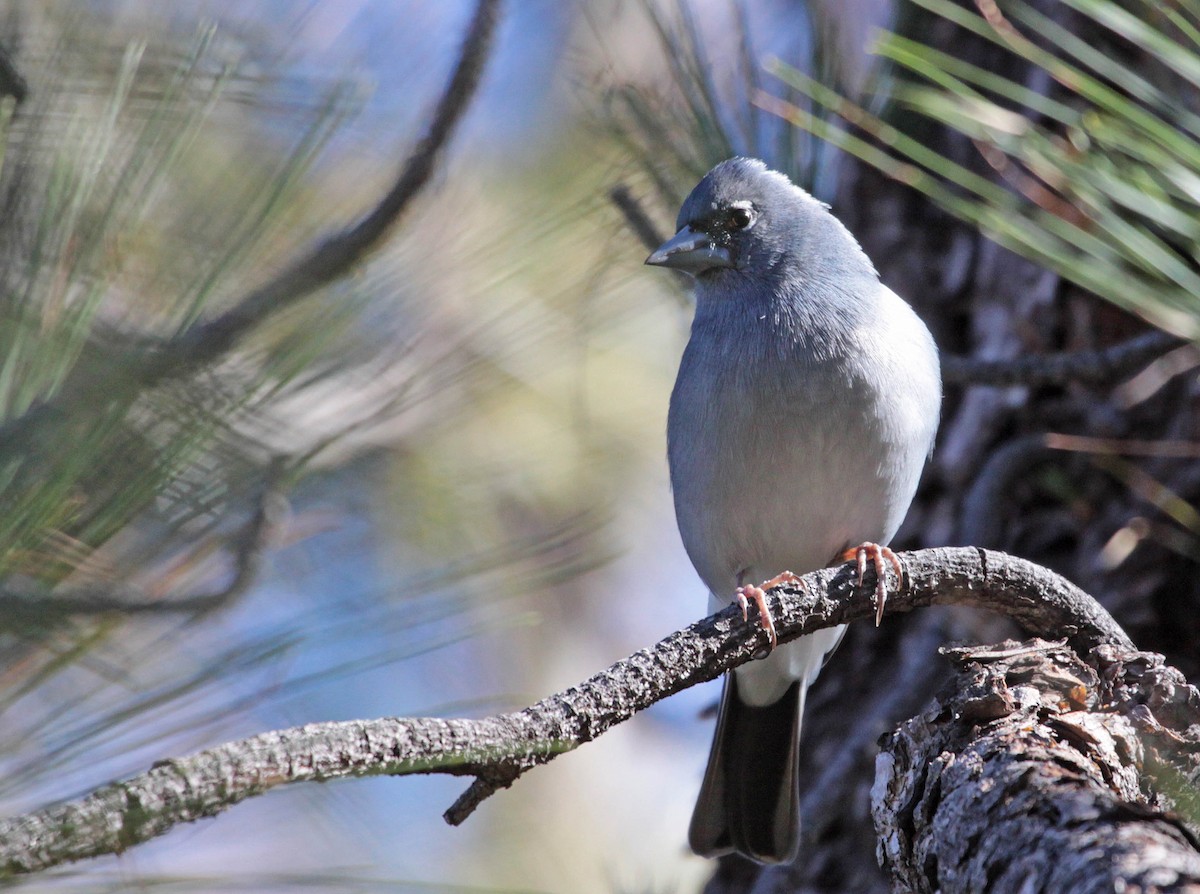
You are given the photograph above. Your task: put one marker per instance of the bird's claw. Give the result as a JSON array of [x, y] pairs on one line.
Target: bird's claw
[[877, 554], [758, 594], [743, 596]]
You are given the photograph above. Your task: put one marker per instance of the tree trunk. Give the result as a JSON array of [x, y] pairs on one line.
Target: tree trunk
[[1035, 771], [993, 483]]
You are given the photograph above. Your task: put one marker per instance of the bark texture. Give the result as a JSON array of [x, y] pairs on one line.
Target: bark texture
[[1037, 772]]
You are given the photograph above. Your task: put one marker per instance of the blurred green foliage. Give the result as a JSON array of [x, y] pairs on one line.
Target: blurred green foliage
[[1100, 175]]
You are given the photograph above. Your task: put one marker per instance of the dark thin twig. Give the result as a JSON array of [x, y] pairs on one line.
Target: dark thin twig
[[642, 226], [207, 342], [637, 218], [251, 543], [249, 546], [337, 254], [11, 82], [1098, 367]]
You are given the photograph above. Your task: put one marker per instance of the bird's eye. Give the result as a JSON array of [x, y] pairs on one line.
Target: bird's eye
[[740, 218]]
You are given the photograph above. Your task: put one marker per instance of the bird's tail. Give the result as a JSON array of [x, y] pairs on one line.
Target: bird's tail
[[750, 798]]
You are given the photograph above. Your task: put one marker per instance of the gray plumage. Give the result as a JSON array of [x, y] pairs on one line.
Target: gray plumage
[[805, 407]]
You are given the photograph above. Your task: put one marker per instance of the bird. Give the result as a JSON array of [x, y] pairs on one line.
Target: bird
[[803, 413]]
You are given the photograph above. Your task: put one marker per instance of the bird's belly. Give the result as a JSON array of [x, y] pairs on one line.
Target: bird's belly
[[782, 495]]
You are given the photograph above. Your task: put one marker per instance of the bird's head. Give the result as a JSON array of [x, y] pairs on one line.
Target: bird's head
[[743, 218]]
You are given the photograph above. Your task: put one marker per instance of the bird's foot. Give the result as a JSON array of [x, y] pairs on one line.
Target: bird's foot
[[744, 595], [877, 554]]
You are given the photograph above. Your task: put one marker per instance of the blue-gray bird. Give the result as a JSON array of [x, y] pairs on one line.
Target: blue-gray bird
[[805, 407]]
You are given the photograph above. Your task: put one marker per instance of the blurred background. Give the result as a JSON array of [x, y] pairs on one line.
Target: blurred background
[[473, 426], [437, 486]]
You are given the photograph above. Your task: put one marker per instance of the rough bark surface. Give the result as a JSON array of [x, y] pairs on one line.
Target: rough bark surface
[[1037, 772]]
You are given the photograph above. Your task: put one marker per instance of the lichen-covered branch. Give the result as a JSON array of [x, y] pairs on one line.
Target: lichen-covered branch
[[497, 750]]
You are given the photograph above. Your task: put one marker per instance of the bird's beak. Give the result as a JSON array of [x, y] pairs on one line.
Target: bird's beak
[[692, 251]]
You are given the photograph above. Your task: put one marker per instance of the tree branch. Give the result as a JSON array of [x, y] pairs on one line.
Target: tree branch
[[248, 547], [332, 258], [1099, 367], [337, 254], [11, 82], [497, 750]]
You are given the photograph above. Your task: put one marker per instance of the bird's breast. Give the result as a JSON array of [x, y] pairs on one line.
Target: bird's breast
[[779, 463]]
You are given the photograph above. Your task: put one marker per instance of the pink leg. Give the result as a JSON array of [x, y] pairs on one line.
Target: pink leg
[[877, 554]]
